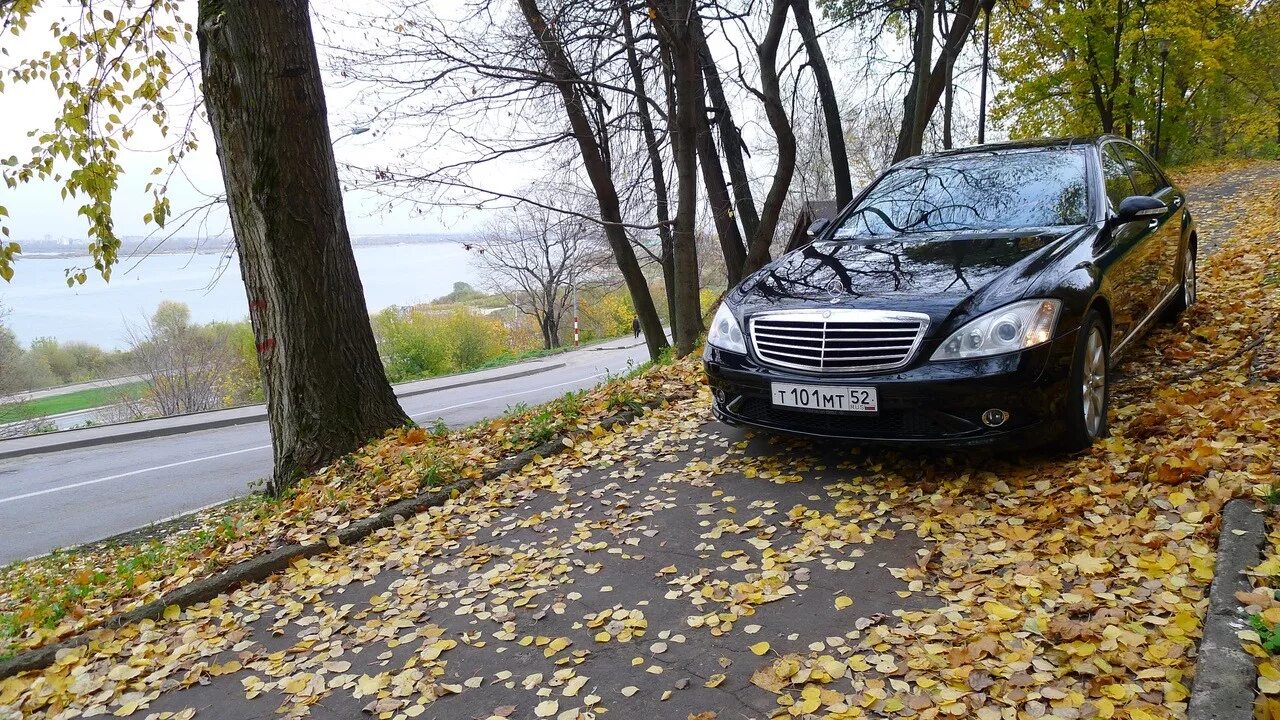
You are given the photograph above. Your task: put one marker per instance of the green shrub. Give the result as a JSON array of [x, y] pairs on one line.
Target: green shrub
[[410, 346], [420, 342], [476, 339]]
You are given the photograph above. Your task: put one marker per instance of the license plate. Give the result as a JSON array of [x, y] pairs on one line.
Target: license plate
[[831, 398]]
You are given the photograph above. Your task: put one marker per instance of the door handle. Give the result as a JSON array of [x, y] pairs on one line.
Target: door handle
[[1153, 224]]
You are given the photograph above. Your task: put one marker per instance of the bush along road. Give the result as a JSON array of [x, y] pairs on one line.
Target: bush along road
[[675, 568]]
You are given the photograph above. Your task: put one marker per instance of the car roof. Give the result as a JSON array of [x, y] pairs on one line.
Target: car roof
[[1012, 146]]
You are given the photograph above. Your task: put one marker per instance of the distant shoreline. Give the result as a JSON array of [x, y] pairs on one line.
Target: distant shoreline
[[42, 251]]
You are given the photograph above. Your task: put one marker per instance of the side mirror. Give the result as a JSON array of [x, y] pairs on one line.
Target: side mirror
[[816, 228], [1140, 207]]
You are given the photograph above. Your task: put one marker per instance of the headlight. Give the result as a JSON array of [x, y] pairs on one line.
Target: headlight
[[725, 332], [1017, 326]]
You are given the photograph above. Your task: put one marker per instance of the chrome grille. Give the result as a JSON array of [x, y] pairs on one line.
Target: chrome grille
[[837, 341]]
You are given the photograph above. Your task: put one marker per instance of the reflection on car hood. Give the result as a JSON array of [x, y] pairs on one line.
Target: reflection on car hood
[[930, 273]]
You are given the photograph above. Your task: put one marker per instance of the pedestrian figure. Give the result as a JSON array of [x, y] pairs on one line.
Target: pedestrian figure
[[635, 326]]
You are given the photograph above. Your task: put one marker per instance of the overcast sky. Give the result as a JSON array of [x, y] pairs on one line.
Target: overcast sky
[[37, 209]]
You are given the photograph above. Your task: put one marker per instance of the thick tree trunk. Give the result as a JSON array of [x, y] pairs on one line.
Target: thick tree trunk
[[776, 113], [327, 393], [730, 136], [660, 201], [830, 105], [684, 105], [599, 173]]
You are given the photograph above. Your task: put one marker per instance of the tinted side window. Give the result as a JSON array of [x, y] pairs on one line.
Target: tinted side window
[[1116, 176], [1145, 179]]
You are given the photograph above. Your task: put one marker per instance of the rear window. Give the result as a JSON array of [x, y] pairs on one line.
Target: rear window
[[976, 192]]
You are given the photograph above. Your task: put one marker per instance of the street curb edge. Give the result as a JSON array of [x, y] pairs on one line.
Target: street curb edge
[[1224, 680]]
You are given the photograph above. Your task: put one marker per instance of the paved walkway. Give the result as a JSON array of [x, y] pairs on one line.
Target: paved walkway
[[597, 588]]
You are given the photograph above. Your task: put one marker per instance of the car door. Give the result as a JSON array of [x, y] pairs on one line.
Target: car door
[[1161, 247], [1121, 257]]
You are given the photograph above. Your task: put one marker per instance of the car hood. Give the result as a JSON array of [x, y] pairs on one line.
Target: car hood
[[939, 274]]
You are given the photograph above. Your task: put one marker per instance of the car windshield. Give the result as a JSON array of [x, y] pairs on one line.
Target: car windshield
[[975, 192]]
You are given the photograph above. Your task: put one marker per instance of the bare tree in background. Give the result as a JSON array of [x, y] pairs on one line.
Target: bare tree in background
[[687, 121], [494, 81], [186, 365], [830, 104], [932, 77], [533, 255]]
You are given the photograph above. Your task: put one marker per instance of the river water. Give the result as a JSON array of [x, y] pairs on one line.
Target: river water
[[40, 304]]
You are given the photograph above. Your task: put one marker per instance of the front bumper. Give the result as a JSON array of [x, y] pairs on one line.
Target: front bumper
[[928, 403]]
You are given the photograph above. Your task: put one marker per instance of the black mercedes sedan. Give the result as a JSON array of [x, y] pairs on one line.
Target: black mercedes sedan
[[962, 298]]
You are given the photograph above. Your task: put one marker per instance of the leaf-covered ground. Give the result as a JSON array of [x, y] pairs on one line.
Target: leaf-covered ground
[[49, 598], [679, 568]]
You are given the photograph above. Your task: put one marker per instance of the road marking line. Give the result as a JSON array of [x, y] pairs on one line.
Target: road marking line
[[72, 486], [509, 395]]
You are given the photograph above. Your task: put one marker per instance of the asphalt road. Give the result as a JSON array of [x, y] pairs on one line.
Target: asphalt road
[[76, 496]]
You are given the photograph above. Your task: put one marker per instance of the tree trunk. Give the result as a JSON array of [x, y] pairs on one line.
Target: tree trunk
[[776, 113], [544, 326], [553, 331], [917, 109], [830, 105], [1133, 90], [661, 204], [965, 17], [730, 137], [731, 245], [684, 105], [599, 173], [327, 393]]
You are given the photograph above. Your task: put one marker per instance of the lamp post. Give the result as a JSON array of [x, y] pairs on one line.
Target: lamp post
[[1164, 57]]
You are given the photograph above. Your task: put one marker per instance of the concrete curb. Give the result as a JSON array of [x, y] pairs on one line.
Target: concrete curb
[[262, 566], [212, 424], [1224, 682]]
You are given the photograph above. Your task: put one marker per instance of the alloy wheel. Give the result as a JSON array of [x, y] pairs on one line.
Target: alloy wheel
[[1094, 384], [1189, 277]]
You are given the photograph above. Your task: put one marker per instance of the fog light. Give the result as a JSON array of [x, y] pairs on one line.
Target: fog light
[[718, 394], [994, 417]]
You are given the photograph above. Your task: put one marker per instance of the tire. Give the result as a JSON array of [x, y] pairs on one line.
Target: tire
[[1186, 296], [1089, 388]]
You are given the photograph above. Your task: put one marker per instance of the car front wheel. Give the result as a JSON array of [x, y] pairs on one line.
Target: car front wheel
[[1088, 391]]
